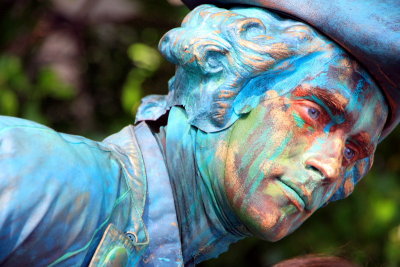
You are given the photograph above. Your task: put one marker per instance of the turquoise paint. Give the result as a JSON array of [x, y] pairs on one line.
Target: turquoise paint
[[282, 147], [264, 138], [101, 227], [278, 151], [299, 121], [328, 127], [357, 97], [205, 218]]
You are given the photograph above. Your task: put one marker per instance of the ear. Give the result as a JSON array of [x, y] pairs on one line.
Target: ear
[[211, 58]]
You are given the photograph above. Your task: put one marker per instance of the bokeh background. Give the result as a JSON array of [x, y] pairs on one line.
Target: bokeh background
[[82, 66]]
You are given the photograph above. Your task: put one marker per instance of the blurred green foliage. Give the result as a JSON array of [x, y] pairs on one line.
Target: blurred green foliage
[[147, 60], [116, 63], [22, 96]]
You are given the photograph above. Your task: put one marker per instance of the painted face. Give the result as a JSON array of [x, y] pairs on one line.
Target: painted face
[[291, 153]]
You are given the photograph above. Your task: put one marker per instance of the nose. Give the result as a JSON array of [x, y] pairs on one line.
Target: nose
[[327, 159]]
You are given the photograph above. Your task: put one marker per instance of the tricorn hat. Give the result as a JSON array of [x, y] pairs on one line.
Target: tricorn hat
[[369, 30]]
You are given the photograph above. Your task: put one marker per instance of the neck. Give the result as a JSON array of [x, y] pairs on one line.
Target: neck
[[207, 224]]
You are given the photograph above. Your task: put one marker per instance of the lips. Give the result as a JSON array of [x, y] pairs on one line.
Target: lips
[[293, 195]]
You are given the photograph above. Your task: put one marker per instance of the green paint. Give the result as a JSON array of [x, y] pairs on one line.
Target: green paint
[[299, 121], [282, 147], [105, 222], [279, 150], [117, 257]]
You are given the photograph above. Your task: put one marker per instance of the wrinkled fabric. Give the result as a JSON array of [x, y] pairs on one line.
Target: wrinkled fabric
[[159, 213], [57, 194], [60, 192]]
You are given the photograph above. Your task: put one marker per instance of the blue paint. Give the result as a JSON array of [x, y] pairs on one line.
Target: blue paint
[[76, 186], [101, 227], [373, 40]]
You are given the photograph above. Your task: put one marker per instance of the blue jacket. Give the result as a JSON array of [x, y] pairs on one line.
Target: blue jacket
[[70, 201]]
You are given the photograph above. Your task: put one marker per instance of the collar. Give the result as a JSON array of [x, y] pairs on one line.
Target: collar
[[126, 148], [159, 215]]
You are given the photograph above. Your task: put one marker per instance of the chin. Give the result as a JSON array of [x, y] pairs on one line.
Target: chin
[[271, 212], [271, 220], [266, 220]]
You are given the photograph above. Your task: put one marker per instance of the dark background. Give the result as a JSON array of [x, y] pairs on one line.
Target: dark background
[[82, 66]]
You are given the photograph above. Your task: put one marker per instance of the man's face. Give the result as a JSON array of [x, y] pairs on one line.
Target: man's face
[[290, 154]]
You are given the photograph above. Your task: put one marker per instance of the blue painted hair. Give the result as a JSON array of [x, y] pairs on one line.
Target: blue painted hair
[[218, 51]]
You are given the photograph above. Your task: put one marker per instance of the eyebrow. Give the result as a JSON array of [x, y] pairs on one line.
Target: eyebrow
[[334, 103], [364, 141]]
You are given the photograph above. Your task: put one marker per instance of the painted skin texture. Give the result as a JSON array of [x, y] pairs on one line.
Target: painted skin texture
[[301, 119], [290, 154]]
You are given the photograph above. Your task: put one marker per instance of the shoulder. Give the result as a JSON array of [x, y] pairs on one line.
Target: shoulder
[[30, 146], [37, 155], [51, 183]]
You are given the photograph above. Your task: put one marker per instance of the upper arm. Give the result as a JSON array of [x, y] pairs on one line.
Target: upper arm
[[56, 190]]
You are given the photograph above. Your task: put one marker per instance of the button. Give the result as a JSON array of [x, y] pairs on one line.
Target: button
[[117, 257], [131, 237]]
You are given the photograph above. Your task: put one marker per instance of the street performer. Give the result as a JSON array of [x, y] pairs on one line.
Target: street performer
[[266, 120]]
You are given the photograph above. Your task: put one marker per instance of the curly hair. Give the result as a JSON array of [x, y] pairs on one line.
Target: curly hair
[[218, 51]]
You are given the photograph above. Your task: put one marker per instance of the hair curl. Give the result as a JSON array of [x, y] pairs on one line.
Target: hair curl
[[218, 51]]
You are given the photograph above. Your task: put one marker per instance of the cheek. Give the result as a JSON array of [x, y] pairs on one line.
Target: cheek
[[256, 142], [352, 176], [259, 146]]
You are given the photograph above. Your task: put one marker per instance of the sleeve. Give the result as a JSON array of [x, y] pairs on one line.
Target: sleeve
[[57, 193]]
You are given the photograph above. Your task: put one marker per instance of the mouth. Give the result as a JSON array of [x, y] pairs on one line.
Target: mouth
[[293, 195]]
